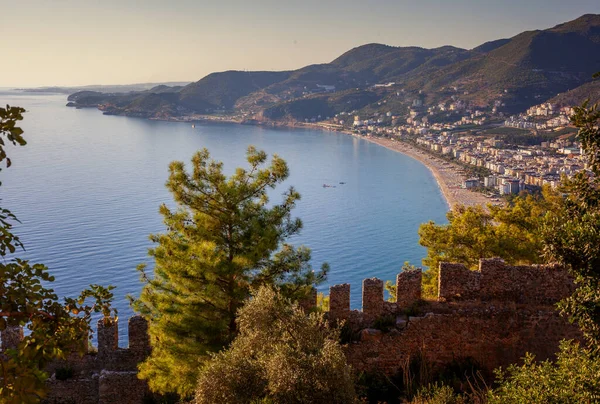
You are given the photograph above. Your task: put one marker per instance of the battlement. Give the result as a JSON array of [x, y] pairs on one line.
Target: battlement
[[488, 315], [495, 280], [107, 332], [106, 376]]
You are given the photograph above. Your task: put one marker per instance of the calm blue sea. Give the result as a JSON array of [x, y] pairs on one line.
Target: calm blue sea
[[87, 188]]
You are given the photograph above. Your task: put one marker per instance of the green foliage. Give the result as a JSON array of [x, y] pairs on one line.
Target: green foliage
[[223, 240], [392, 290], [573, 378], [390, 286], [572, 235], [9, 117], [512, 232], [438, 393], [323, 302], [55, 329], [10, 133], [280, 355]]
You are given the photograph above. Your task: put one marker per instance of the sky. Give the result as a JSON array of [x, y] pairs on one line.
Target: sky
[[83, 42]]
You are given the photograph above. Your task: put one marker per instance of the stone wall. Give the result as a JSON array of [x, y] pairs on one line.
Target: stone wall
[[492, 337], [105, 376], [494, 315], [408, 287], [339, 301], [535, 284]]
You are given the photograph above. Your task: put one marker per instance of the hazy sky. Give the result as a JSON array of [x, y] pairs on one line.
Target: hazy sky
[[78, 42]]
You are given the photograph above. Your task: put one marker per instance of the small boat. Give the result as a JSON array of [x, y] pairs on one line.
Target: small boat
[[342, 182], [193, 126], [328, 186]]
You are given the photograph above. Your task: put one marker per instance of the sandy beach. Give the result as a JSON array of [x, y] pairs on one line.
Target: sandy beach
[[445, 173]]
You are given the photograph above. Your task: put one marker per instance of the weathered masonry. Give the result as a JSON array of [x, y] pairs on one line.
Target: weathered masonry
[[494, 315], [108, 376]]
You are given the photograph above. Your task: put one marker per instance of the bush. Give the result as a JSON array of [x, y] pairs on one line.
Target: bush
[[438, 394], [573, 378], [281, 355]]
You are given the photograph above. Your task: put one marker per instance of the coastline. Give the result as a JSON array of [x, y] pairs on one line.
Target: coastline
[[446, 174], [448, 179]]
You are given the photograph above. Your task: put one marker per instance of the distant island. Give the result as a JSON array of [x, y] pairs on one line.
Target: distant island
[[116, 88]]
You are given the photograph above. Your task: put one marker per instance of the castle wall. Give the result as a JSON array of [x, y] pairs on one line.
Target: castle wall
[[496, 337], [106, 376], [408, 288], [73, 391], [372, 297], [535, 284], [339, 301], [494, 315]]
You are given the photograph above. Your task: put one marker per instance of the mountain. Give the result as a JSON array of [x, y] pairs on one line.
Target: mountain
[[117, 88], [222, 90], [491, 45], [532, 66], [588, 91], [512, 73]]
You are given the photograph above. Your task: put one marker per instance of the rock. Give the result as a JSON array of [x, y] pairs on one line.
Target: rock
[[370, 334]]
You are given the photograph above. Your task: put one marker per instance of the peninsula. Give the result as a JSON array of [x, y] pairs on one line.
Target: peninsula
[[494, 119]]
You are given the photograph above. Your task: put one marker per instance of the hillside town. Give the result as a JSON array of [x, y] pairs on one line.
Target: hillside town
[[477, 138]]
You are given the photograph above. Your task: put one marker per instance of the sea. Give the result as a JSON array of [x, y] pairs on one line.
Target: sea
[[87, 188]]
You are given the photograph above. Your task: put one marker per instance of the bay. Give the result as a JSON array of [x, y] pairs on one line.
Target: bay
[[87, 188]]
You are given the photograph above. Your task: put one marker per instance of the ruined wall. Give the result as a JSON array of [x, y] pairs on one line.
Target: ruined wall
[[535, 284], [494, 315], [496, 337], [408, 287], [108, 376]]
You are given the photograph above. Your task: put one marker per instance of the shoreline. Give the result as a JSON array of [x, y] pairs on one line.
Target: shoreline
[[448, 179]]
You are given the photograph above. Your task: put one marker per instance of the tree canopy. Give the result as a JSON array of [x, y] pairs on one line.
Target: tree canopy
[[55, 328], [512, 232], [223, 239], [281, 355], [572, 235]]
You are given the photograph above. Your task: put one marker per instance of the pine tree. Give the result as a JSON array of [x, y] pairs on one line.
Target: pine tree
[[572, 236], [223, 240]]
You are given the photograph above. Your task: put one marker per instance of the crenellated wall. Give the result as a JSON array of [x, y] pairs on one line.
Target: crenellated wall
[[408, 287], [534, 284], [494, 315], [108, 375]]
